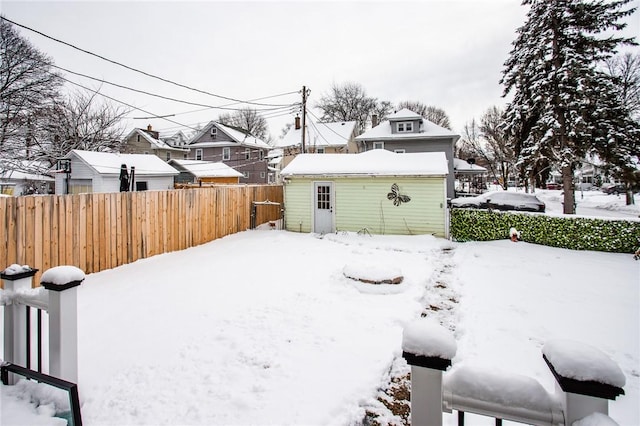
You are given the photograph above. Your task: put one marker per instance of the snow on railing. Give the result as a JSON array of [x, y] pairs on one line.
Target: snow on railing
[[58, 297], [585, 380]]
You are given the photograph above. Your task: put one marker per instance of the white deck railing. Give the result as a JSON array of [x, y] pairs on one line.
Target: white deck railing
[[59, 300], [506, 397]]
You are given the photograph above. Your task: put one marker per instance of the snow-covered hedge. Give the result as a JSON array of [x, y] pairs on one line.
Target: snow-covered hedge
[[577, 233]]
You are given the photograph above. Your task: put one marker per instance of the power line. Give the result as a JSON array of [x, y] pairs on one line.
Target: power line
[[325, 125], [131, 68], [161, 96]]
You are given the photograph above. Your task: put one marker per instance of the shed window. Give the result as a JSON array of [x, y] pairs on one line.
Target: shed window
[[323, 197], [141, 186]]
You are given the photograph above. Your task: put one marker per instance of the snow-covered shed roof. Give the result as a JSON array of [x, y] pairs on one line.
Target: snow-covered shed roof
[[202, 169], [242, 138], [320, 134], [377, 162], [428, 129], [108, 163], [461, 166]]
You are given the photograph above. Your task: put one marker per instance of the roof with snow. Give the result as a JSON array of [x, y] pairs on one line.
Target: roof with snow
[[108, 163], [462, 166], [202, 169], [239, 137], [377, 162], [320, 134], [24, 170], [155, 143], [426, 130]]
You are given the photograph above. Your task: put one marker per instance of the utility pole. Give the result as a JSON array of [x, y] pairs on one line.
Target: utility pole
[[305, 92]]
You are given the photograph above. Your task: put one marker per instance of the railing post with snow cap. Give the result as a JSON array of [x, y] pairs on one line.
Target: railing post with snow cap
[[428, 348], [62, 284], [586, 378], [16, 278]]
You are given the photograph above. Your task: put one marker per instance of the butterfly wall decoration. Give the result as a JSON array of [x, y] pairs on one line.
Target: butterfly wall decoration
[[396, 196]]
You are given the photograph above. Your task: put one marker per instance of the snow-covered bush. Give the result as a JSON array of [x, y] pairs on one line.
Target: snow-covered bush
[[576, 233]]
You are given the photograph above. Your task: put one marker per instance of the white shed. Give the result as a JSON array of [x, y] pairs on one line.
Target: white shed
[[89, 171]]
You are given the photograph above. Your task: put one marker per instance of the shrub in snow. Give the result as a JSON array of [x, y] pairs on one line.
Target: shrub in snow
[[576, 233], [425, 337]]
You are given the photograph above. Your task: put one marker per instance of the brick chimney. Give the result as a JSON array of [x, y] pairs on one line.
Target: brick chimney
[[374, 120], [297, 127], [153, 133]]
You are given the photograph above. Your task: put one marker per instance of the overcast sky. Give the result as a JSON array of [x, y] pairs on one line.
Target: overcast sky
[[444, 53]]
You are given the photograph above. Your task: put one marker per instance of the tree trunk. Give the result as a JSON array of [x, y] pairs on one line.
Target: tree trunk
[[630, 199], [567, 186]]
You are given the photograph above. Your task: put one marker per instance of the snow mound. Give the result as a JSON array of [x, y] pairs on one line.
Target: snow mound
[[372, 274], [428, 338], [595, 419], [62, 275], [507, 389], [579, 361], [16, 269]]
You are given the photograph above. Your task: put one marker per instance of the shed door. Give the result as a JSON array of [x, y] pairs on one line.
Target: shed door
[[323, 207]]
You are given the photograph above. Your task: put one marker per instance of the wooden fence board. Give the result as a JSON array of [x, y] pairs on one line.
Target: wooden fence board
[[100, 231]]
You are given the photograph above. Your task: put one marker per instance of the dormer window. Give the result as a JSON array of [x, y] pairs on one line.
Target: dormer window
[[405, 126], [214, 132]]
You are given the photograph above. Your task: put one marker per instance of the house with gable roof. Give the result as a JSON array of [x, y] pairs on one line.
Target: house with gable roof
[[408, 132], [320, 138], [234, 147], [141, 141]]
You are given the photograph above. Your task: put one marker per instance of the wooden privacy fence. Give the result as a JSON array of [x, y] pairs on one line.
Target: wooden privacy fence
[[101, 231]]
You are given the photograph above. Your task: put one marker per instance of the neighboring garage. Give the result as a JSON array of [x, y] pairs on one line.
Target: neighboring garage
[[376, 191]]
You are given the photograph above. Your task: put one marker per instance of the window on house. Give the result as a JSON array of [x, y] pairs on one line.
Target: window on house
[[226, 153], [146, 152], [141, 186], [261, 154], [320, 151], [399, 151], [262, 175], [199, 154], [405, 127], [138, 138], [185, 155], [271, 178], [214, 132], [247, 154], [378, 145], [168, 156], [246, 175]]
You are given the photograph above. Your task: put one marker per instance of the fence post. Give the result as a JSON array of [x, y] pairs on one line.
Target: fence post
[[15, 319], [62, 284], [585, 378], [428, 348]]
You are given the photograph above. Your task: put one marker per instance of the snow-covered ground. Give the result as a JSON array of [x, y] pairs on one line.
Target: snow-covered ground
[[262, 327]]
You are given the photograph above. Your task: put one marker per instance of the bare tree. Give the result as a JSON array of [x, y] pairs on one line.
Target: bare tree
[[486, 141], [248, 120], [432, 113], [81, 121], [350, 102], [28, 88], [625, 71]]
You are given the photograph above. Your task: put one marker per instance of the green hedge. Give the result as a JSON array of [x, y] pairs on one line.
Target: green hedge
[[577, 233]]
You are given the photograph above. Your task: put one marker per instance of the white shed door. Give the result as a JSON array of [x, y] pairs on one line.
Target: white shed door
[[323, 207]]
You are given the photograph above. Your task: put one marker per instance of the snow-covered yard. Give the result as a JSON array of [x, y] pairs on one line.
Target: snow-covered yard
[[264, 327]]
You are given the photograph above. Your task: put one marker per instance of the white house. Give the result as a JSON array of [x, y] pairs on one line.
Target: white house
[[89, 171]]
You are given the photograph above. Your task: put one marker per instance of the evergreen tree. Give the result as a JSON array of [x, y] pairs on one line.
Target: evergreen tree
[[564, 106]]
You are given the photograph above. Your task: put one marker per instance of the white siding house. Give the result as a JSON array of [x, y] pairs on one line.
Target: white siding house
[[100, 172]]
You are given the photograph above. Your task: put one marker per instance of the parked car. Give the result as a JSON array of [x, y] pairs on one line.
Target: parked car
[[553, 185], [501, 200], [614, 189]]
